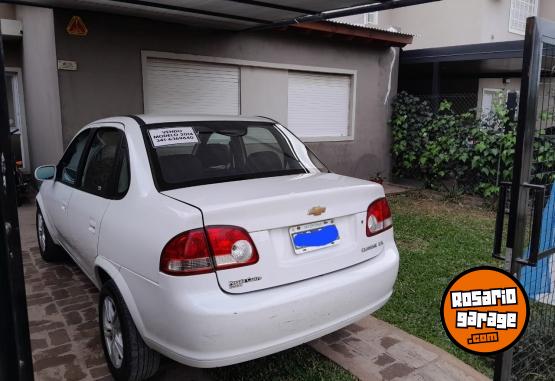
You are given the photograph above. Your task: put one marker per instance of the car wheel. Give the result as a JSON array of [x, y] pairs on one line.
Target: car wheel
[[127, 355], [49, 251]]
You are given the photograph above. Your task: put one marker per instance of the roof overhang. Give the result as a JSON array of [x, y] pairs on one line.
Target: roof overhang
[[355, 33], [473, 52], [489, 60], [230, 14]]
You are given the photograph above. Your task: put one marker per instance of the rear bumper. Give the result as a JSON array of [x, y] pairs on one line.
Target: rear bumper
[[193, 322]]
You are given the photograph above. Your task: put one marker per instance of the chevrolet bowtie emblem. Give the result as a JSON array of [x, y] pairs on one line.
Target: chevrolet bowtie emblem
[[317, 210]]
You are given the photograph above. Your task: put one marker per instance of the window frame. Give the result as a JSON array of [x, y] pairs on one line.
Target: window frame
[[352, 129], [368, 21], [512, 9]]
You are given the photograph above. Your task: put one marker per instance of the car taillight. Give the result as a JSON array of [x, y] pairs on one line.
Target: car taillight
[[189, 253], [378, 217]]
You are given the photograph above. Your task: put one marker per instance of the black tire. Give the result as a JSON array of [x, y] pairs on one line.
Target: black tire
[[49, 251], [139, 361]]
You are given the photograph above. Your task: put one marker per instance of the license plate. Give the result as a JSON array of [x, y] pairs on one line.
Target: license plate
[[314, 236]]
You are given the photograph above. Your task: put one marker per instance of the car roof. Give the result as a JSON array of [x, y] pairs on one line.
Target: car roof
[[157, 118]]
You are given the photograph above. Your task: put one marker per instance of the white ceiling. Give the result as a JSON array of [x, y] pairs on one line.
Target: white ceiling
[[222, 14]]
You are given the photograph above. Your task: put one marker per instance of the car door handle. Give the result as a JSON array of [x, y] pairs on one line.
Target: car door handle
[[92, 226]]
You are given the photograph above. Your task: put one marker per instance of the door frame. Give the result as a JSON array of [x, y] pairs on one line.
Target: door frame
[[19, 111]]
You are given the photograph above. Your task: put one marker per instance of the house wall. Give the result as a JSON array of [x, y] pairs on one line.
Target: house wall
[[455, 22], [109, 78], [7, 11], [546, 9]]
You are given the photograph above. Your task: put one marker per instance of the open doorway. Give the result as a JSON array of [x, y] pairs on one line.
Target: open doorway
[[18, 127]]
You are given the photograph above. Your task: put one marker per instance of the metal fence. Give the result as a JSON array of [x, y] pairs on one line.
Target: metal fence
[[461, 103], [534, 355]]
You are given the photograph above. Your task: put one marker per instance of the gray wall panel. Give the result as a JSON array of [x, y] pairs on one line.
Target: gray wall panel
[[109, 76]]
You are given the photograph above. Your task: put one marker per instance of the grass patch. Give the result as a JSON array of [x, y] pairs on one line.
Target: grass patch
[[437, 240], [300, 363]]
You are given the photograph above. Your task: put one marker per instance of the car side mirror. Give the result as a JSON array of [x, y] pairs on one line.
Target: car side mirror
[[45, 172]]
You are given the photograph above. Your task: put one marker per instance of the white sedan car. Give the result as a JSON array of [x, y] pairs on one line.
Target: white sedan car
[[213, 240]]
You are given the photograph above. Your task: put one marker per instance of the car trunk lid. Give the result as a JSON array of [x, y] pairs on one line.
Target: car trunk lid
[[275, 210]]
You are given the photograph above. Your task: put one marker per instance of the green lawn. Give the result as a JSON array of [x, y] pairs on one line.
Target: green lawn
[[436, 240]]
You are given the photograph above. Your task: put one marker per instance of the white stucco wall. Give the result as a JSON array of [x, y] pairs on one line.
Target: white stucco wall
[[455, 22], [40, 83]]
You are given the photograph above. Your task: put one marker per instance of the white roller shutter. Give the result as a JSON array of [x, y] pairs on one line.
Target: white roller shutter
[[179, 87], [319, 104]]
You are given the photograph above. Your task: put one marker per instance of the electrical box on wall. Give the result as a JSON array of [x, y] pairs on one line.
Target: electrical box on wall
[[11, 28], [67, 65]]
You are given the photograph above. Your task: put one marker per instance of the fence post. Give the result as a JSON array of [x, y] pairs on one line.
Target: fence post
[[435, 86]]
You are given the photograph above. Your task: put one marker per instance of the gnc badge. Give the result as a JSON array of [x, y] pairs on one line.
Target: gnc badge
[[484, 310]]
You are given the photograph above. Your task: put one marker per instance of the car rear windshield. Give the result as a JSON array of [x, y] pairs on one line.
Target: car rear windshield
[[186, 154]]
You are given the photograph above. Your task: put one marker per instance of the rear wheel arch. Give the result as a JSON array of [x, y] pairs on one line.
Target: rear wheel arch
[[104, 270]]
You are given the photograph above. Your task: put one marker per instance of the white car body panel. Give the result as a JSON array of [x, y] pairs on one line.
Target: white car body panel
[[267, 207], [195, 319]]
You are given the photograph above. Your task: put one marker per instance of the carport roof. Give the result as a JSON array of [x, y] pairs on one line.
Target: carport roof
[[230, 14]]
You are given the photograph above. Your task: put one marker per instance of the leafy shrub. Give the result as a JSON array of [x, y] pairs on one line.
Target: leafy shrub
[[456, 152]]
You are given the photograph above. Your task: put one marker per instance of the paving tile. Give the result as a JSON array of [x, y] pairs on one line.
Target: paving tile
[[432, 372], [411, 354], [336, 336], [380, 351], [58, 337], [396, 371]]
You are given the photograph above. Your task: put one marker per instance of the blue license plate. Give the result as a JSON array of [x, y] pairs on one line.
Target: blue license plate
[[325, 234]]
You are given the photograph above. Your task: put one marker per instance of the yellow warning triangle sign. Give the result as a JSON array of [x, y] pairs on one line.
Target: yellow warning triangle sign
[[77, 27]]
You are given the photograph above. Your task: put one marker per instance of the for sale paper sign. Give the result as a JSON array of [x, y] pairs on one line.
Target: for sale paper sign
[[161, 137]]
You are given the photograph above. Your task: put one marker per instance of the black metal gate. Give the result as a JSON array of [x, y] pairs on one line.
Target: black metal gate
[[530, 253]]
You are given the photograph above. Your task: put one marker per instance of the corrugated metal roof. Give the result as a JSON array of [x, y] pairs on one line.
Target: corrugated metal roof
[[369, 27], [353, 32]]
